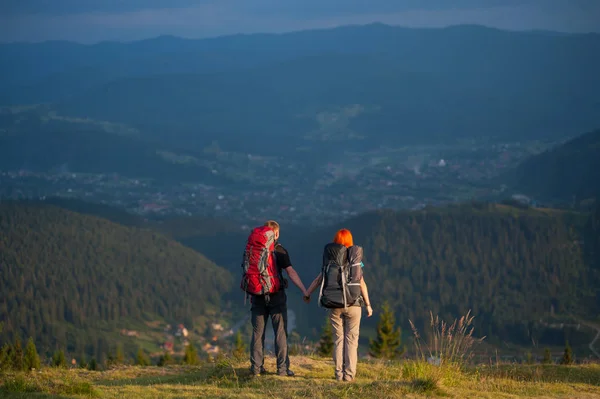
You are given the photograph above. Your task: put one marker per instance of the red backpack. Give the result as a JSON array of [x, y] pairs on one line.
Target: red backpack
[[260, 274]]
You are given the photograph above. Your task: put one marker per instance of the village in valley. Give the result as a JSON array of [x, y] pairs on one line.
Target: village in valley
[[321, 194]]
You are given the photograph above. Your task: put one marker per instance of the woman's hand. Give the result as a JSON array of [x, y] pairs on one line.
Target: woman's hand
[[369, 311]]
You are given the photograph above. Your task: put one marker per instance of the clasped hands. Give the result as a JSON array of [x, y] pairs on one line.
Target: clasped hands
[[306, 296]]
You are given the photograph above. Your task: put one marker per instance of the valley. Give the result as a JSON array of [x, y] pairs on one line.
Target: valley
[[317, 188]]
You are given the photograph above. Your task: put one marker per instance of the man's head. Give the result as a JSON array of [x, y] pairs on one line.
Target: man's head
[[275, 226]]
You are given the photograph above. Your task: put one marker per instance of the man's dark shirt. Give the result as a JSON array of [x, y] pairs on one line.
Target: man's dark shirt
[[282, 258]]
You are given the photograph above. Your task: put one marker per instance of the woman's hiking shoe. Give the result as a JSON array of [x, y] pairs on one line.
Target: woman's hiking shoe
[[287, 373]]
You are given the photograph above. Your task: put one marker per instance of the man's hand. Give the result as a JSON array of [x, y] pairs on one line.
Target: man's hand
[[369, 311], [295, 279]]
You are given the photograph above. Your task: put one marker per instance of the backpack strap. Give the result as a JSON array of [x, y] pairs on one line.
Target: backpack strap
[[323, 273], [279, 272]]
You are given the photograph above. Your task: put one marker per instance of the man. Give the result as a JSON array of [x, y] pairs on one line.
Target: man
[[274, 305]]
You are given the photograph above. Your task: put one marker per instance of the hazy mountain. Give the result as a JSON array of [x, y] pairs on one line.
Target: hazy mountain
[[37, 140], [365, 85], [568, 172]]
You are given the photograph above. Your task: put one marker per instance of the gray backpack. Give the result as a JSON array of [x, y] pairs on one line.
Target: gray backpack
[[342, 272]]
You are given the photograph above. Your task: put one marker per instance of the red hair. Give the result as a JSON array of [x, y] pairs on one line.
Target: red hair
[[343, 237]]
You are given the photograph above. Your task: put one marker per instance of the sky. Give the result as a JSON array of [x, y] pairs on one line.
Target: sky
[[90, 21]]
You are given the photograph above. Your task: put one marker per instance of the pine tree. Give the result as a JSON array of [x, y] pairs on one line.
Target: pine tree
[[141, 359], [17, 355], [92, 365], [58, 359], [6, 357], [82, 362], [325, 348], [239, 347], [117, 358], [387, 343], [191, 356], [165, 359], [547, 357], [32, 359], [567, 356], [119, 355]]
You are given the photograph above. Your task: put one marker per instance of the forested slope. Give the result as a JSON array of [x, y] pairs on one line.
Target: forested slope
[[569, 171], [67, 278], [509, 266]]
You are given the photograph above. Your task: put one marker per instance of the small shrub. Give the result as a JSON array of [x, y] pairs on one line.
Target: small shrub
[[92, 365], [387, 344], [325, 348], [58, 359], [6, 357], [239, 347], [567, 358], [547, 357], [529, 358], [141, 359], [32, 359], [117, 358], [191, 355], [17, 356], [165, 359]]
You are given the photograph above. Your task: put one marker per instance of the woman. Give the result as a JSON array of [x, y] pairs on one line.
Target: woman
[[345, 319]]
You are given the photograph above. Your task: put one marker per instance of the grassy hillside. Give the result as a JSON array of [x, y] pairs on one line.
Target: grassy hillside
[[314, 379], [72, 281], [565, 173]]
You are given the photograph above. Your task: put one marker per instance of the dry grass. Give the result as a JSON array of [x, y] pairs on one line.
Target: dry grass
[[448, 343], [314, 379]]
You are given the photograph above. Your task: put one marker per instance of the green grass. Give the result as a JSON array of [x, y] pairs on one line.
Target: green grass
[[314, 379]]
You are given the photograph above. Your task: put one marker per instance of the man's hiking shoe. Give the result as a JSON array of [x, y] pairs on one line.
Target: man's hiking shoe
[[261, 372], [287, 373]]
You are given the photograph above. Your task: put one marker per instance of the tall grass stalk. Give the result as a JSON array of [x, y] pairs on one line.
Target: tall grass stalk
[[450, 343]]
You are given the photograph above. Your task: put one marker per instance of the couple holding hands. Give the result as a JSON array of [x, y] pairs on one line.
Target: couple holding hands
[[342, 290]]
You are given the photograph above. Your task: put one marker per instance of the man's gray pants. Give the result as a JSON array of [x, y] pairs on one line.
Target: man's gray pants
[[260, 316]]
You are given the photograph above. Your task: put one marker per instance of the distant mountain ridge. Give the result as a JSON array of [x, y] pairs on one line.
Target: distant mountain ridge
[[407, 84]]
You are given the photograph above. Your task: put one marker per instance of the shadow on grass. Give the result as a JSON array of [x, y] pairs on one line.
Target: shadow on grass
[[23, 385], [546, 373], [221, 373], [27, 395]]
